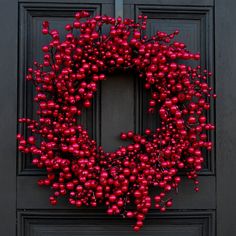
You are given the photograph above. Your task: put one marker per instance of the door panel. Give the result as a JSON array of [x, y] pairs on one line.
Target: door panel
[[196, 30], [120, 105], [97, 224], [31, 16]]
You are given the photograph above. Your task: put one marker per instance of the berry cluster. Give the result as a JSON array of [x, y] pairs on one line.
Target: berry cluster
[[65, 84]]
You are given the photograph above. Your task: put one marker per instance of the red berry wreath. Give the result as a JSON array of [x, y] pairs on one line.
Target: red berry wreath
[[66, 82]]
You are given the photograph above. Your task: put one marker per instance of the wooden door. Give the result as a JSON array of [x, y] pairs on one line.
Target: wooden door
[[206, 26]]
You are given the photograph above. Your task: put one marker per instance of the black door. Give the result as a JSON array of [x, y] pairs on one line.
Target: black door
[[206, 26]]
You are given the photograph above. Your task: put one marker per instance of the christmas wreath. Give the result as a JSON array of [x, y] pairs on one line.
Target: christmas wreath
[[65, 84]]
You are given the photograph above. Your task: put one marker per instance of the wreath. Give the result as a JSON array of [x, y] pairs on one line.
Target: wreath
[[65, 84]]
